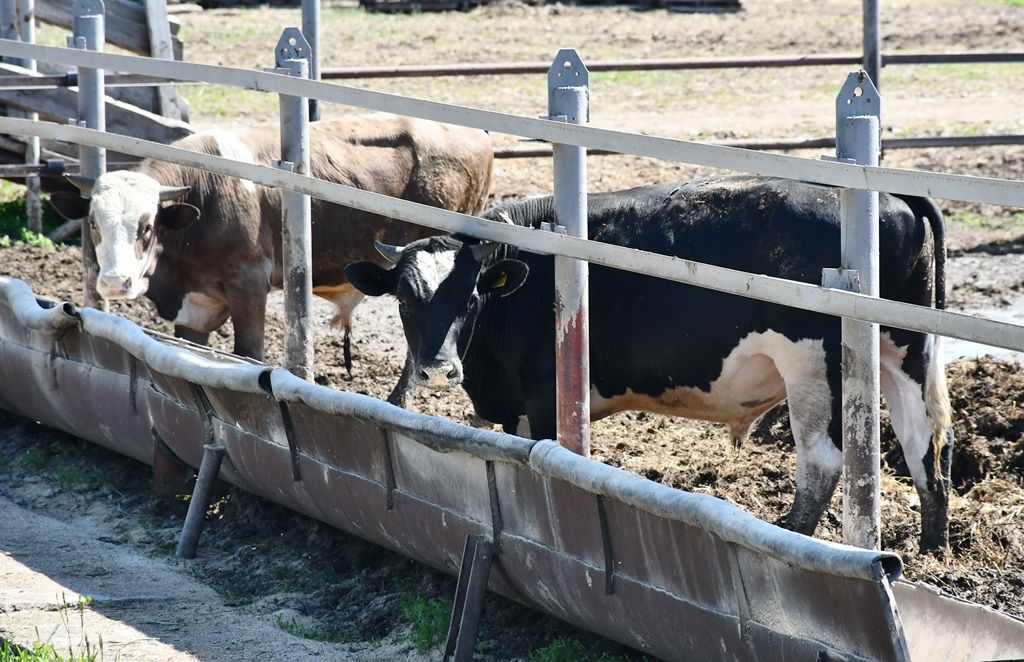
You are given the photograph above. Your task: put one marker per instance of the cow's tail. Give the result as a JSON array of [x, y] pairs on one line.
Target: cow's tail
[[927, 208], [937, 402]]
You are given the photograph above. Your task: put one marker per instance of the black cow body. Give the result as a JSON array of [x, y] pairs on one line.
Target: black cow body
[[671, 348]]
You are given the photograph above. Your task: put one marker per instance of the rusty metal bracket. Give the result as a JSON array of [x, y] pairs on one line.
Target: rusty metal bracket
[[469, 599], [133, 384], [606, 543], [293, 444], [496, 521], [390, 484], [57, 351]]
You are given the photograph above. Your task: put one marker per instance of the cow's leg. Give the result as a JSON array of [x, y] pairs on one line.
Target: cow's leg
[[247, 293], [401, 395], [913, 382], [541, 414], [191, 335], [813, 395]]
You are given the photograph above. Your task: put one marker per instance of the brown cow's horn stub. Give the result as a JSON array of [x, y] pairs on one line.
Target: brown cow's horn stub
[[483, 251], [390, 253], [173, 192], [83, 184]]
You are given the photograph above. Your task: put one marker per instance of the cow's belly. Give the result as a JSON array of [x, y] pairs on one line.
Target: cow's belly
[[750, 383]]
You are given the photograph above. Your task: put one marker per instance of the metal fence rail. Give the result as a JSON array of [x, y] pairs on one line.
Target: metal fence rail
[[774, 290], [892, 180]]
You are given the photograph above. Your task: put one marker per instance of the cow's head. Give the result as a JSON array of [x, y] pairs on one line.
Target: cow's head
[[126, 213], [441, 284]]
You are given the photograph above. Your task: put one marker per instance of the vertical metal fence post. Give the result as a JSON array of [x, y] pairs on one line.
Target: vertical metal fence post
[[858, 139], [292, 57], [26, 15], [17, 21], [88, 33], [872, 41], [569, 101], [311, 30]]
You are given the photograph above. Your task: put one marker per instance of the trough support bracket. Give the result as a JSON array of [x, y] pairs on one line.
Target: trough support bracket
[[293, 444], [606, 543], [469, 599], [213, 454]]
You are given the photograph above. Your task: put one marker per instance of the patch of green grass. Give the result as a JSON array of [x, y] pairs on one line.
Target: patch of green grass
[[1014, 3], [430, 619], [568, 650], [13, 217], [36, 457], [293, 627], [44, 651], [63, 479]]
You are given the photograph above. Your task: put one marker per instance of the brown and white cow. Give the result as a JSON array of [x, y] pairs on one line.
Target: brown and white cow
[[205, 247]]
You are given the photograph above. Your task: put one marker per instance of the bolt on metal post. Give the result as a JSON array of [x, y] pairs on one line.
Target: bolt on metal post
[[858, 139], [292, 58], [569, 101], [88, 33]]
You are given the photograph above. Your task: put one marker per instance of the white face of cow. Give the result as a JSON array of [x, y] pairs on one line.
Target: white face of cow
[[123, 214], [122, 217]]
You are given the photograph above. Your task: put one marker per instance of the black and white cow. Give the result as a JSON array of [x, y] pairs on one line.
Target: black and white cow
[[204, 247], [472, 317]]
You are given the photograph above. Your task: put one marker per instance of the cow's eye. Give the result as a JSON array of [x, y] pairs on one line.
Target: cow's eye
[[147, 232]]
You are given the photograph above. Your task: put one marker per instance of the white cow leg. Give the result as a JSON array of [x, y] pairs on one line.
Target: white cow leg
[[818, 461], [921, 419]]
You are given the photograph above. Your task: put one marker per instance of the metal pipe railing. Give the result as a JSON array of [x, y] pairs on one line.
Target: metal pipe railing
[[956, 187], [773, 290]]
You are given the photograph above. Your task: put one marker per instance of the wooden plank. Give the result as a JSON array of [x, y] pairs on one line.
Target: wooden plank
[[60, 104], [125, 24], [161, 46]]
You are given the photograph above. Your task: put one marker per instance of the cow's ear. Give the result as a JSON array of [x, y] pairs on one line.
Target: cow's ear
[[178, 217], [69, 204], [370, 278], [503, 278]]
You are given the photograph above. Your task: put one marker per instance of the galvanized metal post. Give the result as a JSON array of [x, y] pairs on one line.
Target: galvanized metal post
[[26, 16], [872, 42], [213, 455], [858, 138], [569, 101], [292, 56], [88, 33], [311, 30], [17, 21]]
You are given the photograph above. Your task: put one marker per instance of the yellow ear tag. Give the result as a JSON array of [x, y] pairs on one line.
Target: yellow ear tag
[[502, 279]]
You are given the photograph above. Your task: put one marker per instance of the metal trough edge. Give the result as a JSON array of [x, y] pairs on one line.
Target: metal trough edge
[[31, 312], [714, 515]]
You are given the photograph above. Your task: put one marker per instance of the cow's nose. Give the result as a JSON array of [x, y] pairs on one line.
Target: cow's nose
[[442, 374], [114, 285]]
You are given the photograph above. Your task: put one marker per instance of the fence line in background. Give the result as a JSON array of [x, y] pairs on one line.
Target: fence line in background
[[892, 180]]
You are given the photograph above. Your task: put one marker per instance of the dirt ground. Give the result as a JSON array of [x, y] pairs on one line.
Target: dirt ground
[[986, 561]]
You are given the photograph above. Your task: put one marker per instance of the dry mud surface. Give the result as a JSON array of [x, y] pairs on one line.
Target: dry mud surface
[[272, 565]]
